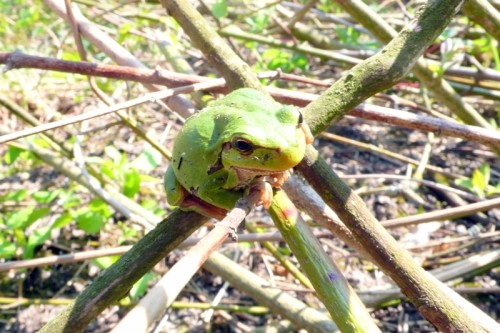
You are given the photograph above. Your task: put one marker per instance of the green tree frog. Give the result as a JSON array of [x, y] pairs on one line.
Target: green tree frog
[[242, 143]]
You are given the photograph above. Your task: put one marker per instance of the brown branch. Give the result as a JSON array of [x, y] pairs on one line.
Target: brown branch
[[485, 14], [237, 73], [172, 79], [488, 137], [112, 48], [151, 97], [161, 296], [444, 214], [17, 59], [92, 254]]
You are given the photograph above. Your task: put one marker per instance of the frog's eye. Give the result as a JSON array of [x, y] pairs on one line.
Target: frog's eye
[[301, 118], [243, 146]]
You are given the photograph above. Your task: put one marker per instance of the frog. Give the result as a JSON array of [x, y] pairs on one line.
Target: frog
[[244, 143]]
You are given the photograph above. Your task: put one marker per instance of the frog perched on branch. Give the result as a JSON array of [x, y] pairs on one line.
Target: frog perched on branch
[[244, 143]]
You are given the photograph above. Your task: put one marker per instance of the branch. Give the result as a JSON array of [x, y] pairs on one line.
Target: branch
[[162, 295], [331, 286], [432, 18], [431, 298], [112, 48], [18, 59], [236, 72], [117, 280], [278, 301], [484, 14], [151, 97]]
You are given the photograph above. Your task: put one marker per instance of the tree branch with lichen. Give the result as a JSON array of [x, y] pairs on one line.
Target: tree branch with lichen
[[343, 304], [438, 19], [392, 63]]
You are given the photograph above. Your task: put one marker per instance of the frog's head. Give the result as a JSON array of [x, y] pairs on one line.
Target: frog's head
[[265, 139]]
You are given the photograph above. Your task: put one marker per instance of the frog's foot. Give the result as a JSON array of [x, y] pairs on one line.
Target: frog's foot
[[192, 202], [262, 192], [277, 179]]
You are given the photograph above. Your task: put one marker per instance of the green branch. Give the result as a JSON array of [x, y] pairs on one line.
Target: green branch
[[430, 22], [373, 75], [483, 13], [236, 72], [115, 282]]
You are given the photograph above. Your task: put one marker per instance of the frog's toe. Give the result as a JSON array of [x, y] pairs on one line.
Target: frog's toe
[[194, 203], [262, 192], [278, 179]]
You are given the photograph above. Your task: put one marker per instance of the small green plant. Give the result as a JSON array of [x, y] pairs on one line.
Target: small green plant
[[29, 216], [479, 183], [287, 61]]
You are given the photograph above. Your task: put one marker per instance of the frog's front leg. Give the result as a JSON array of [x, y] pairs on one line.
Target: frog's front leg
[[177, 195], [175, 192], [214, 191], [262, 191]]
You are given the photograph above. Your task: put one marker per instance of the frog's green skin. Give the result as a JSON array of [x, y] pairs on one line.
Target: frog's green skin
[[222, 149]]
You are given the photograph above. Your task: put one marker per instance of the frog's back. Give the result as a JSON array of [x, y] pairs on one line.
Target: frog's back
[[246, 100], [199, 143]]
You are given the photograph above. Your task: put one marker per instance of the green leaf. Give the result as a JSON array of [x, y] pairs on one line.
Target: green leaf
[[37, 238], [45, 197], [105, 262], [7, 249], [494, 190], [12, 154], [124, 31], [258, 22], [219, 9], [108, 169], [90, 222], [15, 196], [25, 217], [149, 204], [141, 286], [72, 56], [128, 233], [113, 153], [478, 180], [71, 200], [278, 59], [270, 54], [132, 182], [62, 220], [485, 171], [299, 61], [19, 236], [148, 160], [101, 207], [41, 142]]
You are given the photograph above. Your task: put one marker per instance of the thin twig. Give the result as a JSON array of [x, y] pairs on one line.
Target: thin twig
[[444, 214], [428, 183], [151, 97], [92, 254]]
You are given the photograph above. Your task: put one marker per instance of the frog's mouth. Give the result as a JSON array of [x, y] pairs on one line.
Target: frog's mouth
[[247, 175]]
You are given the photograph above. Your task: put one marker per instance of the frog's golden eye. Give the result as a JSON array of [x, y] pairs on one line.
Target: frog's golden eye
[[243, 146]]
